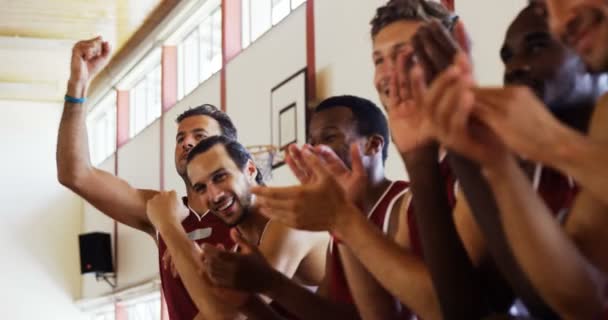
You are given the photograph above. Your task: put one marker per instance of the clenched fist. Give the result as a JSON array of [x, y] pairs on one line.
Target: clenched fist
[[88, 58], [166, 207]]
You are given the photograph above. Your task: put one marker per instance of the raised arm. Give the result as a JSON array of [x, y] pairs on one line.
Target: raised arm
[[108, 193]]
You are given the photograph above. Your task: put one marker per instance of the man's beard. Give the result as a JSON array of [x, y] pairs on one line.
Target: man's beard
[[246, 205]]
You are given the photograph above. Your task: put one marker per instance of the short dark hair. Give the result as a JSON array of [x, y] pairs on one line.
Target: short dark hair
[[410, 10], [369, 118], [237, 152], [226, 125]]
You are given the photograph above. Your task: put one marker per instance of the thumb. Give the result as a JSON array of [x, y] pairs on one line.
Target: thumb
[[245, 246], [356, 162]]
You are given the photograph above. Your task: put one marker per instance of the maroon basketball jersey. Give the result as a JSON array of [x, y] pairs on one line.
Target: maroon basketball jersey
[[557, 190], [379, 216], [202, 229]]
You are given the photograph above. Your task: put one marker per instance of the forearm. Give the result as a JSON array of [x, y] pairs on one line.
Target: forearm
[[538, 241], [402, 273], [185, 255], [451, 269], [72, 143], [371, 299], [305, 304], [484, 209]]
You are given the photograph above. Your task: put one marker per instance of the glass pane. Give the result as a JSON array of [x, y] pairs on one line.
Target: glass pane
[[139, 106], [153, 105], [211, 44], [280, 10], [206, 48], [216, 40], [180, 71], [245, 23], [191, 57], [296, 3], [260, 17]]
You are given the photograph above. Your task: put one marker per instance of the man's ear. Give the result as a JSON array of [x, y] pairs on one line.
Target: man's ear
[[251, 170], [374, 145]]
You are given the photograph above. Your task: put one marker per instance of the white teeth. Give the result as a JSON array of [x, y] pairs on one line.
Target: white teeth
[[226, 206]]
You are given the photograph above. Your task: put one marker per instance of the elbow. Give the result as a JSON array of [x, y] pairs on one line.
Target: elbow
[[71, 179]]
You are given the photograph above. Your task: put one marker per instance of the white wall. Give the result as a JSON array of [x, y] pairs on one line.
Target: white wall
[[207, 92], [268, 61], [487, 21], [344, 58], [40, 269], [139, 164]]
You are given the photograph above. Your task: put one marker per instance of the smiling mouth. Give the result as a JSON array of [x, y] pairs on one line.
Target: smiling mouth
[[225, 206]]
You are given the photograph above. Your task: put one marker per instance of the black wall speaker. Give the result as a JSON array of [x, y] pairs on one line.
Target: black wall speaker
[[95, 253]]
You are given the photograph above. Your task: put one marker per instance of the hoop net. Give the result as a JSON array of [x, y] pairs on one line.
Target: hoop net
[[264, 157]]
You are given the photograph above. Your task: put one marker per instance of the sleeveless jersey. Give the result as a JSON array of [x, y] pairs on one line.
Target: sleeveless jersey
[[202, 229]]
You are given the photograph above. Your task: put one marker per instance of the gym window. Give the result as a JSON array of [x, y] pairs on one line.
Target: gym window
[[102, 128], [200, 52], [258, 16], [145, 94]]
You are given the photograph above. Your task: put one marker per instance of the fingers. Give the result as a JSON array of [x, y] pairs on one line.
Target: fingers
[[423, 58], [453, 97], [314, 163], [394, 98], [438, 44], [419, 87], [245, 246], [334, 164], [296, 164], [403, 83], [437, 90], [89, 49], [356, 161]]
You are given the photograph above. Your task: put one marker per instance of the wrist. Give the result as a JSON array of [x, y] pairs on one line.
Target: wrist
[[345, 219], [499, 169], [76, 88], [167, 224], [422, 156]]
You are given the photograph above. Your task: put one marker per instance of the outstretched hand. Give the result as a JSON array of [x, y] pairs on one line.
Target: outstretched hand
[[449, 104], [234, 270], [352, 180], [317, 205]]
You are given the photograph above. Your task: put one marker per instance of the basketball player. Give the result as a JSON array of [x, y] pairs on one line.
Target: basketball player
[[222, 172], [534, 59], [336, 123], [115, 197], [533, 235], [393, 28], [581, 24]]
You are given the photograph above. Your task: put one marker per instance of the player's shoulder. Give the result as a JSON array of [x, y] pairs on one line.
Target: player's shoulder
[[278, 231]]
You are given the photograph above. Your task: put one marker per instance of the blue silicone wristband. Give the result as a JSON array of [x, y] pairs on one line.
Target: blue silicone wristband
[[71, 99]]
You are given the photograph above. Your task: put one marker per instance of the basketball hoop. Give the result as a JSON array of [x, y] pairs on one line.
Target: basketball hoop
[[265, 157]]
